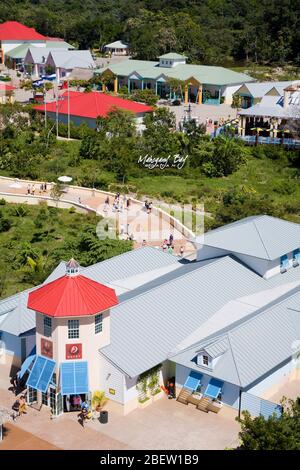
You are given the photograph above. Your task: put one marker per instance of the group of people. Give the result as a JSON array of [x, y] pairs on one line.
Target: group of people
[[119, 204], [168, 246], [31, 188], [19, 407], [148, 207]]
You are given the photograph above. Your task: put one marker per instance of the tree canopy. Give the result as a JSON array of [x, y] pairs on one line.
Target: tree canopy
[[210, 31]]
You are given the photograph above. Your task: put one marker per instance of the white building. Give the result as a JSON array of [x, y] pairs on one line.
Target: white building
[[117, 48], [226, 327]]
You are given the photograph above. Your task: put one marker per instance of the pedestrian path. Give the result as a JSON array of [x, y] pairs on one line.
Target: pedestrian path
[[144, 228]]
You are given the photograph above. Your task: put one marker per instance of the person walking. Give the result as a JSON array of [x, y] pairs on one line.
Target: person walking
[[33, 190], [28, 188], [181, 251]]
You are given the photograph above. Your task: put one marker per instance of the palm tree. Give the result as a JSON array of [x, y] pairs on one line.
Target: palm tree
[[257, 131]]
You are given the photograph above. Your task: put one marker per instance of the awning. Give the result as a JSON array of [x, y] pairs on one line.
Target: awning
[[213, 388], [193, 380], [25, 366], [74, 377], [41, 373]]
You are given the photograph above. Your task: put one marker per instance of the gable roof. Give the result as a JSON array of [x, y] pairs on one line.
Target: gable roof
[[70, 59], [16, 318], [255, 346], [272, 106], [172, 55], [13, 30], [259, 89], [254, 236], [117, 45], [93, 104], [39, 55], [146, 328], [202, 73]]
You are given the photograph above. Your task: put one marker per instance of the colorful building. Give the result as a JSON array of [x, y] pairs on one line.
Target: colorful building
[[87, 107], [197, 83], [225, 328], [14, 34]]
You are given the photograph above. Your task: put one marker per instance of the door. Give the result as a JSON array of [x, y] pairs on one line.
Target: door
[[23, 349]]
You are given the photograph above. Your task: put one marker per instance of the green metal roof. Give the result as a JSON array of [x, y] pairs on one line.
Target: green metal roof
[[18, 52], [172, 55], [205, 74], [59, 45]]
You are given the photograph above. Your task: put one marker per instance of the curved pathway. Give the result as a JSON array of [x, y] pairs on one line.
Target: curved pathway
[[153, 228]]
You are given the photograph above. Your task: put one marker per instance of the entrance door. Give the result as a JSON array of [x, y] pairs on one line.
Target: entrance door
[[23, 349]]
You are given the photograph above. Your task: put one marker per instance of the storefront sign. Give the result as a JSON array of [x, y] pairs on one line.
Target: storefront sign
[[74, 351], [112, 391], [46, 348]]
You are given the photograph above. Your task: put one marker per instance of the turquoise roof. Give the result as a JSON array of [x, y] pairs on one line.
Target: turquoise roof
[[205, 74]]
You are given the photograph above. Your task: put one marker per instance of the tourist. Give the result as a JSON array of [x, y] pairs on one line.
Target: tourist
[[33, 190], [171, 238], [22, 409], [181, 251], [28, 188], [144, 243], [79, 200], [107, 200], [170, 249], [41, 188], [45, 187], [165, 245]]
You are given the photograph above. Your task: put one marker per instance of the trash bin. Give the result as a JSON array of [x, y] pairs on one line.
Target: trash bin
[[103, 417]]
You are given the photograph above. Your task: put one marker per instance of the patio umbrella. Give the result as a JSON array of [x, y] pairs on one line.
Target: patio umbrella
[[65, 179], [257, 130]]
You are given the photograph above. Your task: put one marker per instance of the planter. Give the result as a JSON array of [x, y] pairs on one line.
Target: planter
[[215, 406], [157, 396], [145, 403], [98, 408]]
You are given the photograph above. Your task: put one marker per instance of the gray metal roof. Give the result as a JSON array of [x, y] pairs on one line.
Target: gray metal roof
[[145, 329], [255, 236], [253, 347], [272, 106], [259, 89], [70, 59], [19, 319]]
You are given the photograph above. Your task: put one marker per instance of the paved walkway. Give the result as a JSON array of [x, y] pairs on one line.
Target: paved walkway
[[165, 424], [153, 228]]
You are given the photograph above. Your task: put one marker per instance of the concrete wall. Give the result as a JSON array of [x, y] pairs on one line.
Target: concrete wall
[[10, 349], [269, 385]]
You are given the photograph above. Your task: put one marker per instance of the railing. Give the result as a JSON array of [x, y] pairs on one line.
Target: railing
[[252, 139], [214, 101]]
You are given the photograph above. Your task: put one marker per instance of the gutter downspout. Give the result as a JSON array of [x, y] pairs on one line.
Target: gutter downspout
[[240, 403]]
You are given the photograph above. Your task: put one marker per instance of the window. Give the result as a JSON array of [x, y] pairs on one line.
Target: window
[[47, 326], [284, 263], [205, 360], [73, 329], [98, 323]]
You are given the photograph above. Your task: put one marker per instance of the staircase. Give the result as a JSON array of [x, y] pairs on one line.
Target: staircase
[[184, 395], [203, 404]]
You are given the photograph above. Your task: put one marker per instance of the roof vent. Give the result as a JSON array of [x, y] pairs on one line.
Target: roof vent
[[72, 268]]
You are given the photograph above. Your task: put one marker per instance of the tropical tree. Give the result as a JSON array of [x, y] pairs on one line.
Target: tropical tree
[[273, 433]]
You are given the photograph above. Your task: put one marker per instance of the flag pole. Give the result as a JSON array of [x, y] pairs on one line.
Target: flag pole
[[68, 110]]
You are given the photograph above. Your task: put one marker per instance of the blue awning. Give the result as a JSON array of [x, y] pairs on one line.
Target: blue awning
[[74, 378], [193, 380], [213, 388], [25, 366], [41, 373]]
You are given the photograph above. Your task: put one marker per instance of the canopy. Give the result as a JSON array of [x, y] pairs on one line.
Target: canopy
[[193, 380], [65, 179], [74, 377], [25, 366], [41, 373], [213, 388]]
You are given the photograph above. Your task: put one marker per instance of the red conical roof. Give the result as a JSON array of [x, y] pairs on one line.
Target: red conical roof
[[72, 296]]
